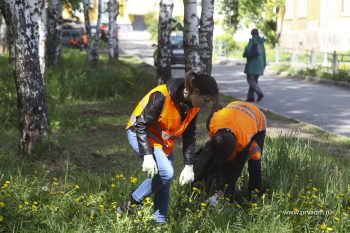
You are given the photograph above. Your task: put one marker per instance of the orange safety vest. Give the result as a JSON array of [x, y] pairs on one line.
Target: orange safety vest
[[244, 120], [162, 133]]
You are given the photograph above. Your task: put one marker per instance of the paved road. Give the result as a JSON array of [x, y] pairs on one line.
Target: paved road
[[325, 106]]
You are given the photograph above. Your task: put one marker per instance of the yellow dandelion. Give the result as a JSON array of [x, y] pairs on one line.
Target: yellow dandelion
[[113, 185], [254, 205], [308, 192], [203, 204], [54, 179], [314, 196], [20, 206], [113, 179], [7, 182], [323, 227], [5, 186], [288, 195], [133, 206], [34, 208], [120, 176], [101, 206], [1, 218], [133, 179], [55, 183], [2, 204], [329, 229], [336, 218], [148, 200], [114, 205], [315, 189], [77, 186], [26, 202]]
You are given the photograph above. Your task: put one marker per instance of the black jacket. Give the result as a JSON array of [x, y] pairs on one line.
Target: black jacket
[[152, 112]]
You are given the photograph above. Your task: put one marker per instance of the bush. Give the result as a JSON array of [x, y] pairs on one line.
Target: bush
[[227, 39]]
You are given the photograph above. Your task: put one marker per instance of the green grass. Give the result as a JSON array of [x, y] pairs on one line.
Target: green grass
[[85, 168], [320, 72]]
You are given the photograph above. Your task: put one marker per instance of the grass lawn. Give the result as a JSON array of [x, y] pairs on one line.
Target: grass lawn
[[85, 168]]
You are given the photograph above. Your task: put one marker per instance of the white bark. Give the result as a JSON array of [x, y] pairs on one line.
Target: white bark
[[93, 52], [42, 36], [206, 35], [22, 22], [87, 22], [54, 27], [164, 31], [3, 35], [112, 29], [191, 42]]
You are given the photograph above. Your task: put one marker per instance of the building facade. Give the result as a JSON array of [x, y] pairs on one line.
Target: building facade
[[322, 25]]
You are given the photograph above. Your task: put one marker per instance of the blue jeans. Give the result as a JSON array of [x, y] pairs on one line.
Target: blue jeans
[[159, 184]]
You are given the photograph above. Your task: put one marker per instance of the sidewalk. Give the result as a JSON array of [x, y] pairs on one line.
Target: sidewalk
[[326, 106]]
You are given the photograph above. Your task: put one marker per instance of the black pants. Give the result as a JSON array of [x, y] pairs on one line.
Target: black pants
[[224, 176]]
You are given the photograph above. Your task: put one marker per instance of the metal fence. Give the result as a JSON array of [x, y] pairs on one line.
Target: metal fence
[[332, 63]]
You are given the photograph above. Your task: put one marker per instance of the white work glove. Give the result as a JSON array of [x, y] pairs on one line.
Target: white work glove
[[187, 175], [213, 200], [149, 165]]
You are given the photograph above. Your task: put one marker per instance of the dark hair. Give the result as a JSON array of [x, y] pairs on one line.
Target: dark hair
[[223, 144], [205, 83], [254, 32]]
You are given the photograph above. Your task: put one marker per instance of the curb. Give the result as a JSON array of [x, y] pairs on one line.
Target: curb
[[303, 122]]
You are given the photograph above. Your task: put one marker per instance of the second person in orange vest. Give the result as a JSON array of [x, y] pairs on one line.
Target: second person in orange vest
[[237, 134], [167, 112]]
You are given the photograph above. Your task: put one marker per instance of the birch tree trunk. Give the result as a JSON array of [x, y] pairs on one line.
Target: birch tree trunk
[[42, 36], [206, 36], [3, 35], [22, 22], [191, 44], [164, 31], [87, 22], [93, 51], [54, 27], [112, 29]]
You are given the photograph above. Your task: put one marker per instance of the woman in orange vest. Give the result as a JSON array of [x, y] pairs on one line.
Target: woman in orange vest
[[237, 134], [167, 112]]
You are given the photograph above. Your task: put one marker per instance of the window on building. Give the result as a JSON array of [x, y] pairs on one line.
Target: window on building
[[346, 7], [302, 8], [289, 9]]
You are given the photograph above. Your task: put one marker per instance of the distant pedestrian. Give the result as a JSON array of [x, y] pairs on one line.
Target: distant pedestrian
[[255, 66], [84, 40], [75, 43]]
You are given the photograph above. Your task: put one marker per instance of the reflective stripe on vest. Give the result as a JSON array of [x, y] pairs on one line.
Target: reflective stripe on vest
[[254, 152], [243, 119], [168, 126], [251, 111]]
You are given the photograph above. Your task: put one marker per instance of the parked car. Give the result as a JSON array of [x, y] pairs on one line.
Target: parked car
[[68, 34], [177, 54]]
